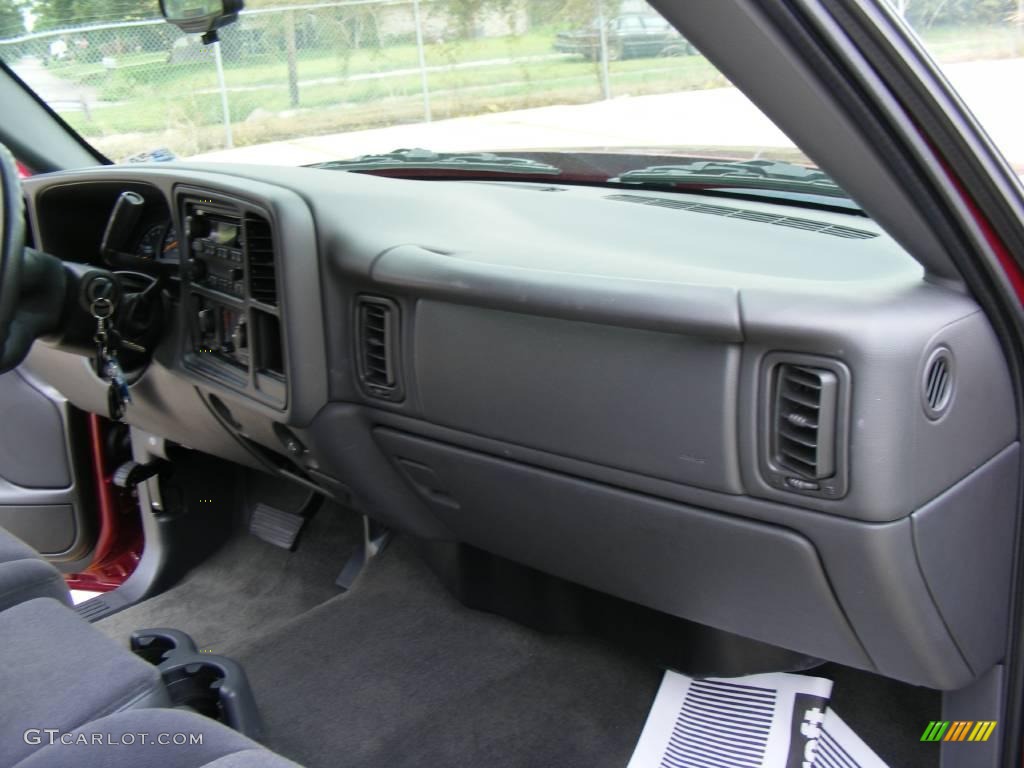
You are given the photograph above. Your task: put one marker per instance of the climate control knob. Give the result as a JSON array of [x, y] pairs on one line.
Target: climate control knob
[[197, 269]]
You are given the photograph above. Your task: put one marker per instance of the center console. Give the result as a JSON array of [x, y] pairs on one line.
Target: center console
[[231, 296]]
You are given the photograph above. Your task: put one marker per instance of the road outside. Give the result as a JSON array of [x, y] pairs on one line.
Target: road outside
[[63, 95]]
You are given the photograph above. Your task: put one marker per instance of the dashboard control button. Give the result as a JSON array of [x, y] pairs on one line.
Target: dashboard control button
[[801, 485], [197, 269], [205, 318], [240, 336]]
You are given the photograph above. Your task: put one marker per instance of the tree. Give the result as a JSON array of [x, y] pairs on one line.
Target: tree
[[54, 14], [12, 22]]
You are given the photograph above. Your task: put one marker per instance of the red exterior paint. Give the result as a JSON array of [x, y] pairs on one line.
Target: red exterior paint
[[119, 545]]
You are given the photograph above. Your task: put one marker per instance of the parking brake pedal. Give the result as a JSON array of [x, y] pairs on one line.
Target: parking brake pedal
[[131, 473], [275, 526]]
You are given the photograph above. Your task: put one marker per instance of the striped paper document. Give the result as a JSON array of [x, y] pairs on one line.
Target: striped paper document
[[761, 721]]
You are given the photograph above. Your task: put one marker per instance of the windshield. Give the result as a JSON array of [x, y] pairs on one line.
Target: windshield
[[604, 88]]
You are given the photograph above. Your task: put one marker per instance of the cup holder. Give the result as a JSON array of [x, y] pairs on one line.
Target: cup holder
[[212, 685]]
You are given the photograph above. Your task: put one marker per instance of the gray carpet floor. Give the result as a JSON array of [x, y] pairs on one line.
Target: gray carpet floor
[[249, 587], [398, 673]]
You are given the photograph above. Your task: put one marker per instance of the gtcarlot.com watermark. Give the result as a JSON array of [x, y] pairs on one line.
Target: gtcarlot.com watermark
[[47, 736]]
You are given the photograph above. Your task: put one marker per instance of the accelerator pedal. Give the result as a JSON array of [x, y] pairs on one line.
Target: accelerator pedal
[[275, 526]]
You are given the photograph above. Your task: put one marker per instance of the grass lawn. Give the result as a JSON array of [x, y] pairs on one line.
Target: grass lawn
[[532, 83], [153, 103]]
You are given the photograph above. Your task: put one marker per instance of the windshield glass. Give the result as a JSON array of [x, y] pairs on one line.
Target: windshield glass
[[300, 83]]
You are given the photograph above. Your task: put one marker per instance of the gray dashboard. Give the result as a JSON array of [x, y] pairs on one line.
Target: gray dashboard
[[762, 418]]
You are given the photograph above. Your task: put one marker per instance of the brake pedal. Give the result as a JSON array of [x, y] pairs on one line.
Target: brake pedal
[[275, 526]]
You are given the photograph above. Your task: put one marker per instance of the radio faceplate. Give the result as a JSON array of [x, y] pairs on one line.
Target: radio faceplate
[[234, 333], [216, 250]]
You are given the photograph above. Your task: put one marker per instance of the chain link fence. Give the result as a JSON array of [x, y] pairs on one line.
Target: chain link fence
[[308, 69]]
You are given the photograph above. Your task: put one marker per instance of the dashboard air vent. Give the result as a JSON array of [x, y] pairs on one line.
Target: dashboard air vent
[[793, 222], [937, 383], [259, 247], [377, 324], [804, 424]]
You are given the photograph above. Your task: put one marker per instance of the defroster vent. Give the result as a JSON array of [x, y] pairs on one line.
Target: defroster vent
[[378, 327], [806, 401], [259, 247]]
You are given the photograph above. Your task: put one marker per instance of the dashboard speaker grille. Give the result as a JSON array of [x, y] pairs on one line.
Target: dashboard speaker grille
[[804, 422], [378, 328], [259, 246]]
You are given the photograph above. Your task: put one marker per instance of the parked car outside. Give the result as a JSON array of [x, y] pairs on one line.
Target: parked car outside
[[633, 35]]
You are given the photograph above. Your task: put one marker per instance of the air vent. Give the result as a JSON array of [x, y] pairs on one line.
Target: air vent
[[937, 383], [808, 225], [259, 247], [377, 324], [804, 427]]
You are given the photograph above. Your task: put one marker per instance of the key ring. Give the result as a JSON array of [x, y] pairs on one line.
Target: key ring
[[104, 302]]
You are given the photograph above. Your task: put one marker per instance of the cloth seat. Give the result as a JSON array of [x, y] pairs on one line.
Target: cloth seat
[[24, 575], [57, 671], [221, 747]]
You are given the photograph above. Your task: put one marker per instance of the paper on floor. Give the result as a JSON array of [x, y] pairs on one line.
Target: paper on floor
[[840, 746], [761, 721]]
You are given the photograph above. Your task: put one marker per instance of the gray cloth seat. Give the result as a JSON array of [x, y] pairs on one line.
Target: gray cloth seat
[[57, 671], [24, 575], [122, 746]]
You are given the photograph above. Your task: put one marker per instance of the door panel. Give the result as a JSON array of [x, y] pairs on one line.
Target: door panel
[[40, 489]]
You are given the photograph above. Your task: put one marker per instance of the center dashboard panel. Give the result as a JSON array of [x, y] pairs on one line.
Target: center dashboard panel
[[233, 314]]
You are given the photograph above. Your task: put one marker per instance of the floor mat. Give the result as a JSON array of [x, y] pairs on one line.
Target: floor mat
[[249, 587], [775, 720], [398, 673]]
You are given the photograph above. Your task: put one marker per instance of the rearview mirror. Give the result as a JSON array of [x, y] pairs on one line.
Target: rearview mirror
[[201, 16]]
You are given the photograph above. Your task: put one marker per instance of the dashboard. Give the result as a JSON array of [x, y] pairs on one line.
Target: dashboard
[[762, 418]]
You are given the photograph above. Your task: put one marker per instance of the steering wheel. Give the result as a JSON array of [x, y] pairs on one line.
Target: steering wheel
[[12, 246], [32, 284]]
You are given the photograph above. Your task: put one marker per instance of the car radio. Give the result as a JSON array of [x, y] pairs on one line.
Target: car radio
[[216, 254]]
